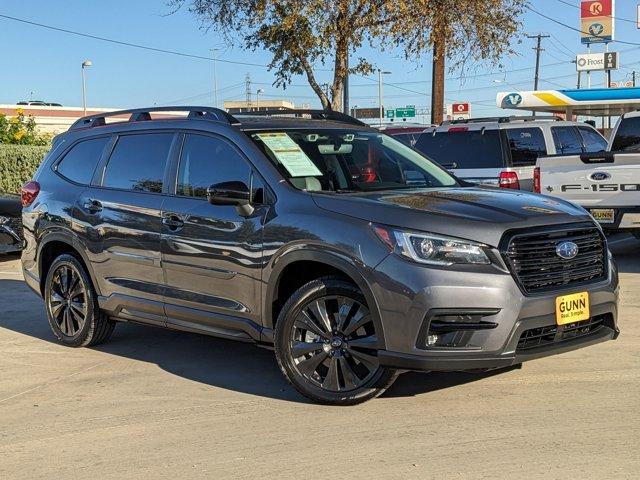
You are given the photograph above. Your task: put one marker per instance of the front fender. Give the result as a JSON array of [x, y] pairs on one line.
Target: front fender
[[328, 255]]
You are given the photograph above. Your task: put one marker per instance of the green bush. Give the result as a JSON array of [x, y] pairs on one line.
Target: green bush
[[18, 164]]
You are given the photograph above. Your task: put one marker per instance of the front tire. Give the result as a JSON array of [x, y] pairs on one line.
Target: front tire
[[326, 344], [72, 306]]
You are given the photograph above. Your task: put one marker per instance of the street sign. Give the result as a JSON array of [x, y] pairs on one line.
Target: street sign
[[597, 21], [391, 113], [460, 109], [625, 84], [366, 112], [597, 61], [406, 112]]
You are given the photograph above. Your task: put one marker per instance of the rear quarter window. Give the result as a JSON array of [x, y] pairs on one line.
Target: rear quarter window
[[463, 148], [79, 163]]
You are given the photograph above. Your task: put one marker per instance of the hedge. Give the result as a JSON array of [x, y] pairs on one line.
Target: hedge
[[18, 164]]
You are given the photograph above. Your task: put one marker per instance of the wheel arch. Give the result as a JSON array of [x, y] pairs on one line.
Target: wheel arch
[[55, 244], [328, 262]]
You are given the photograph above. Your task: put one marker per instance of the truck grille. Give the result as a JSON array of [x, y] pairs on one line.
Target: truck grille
[[537, 267], [542, 336]]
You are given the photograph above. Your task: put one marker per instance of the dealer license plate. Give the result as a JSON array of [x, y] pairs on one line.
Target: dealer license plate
[[603, 215], [572, 308]]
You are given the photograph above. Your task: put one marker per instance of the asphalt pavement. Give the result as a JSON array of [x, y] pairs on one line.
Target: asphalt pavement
[[155, 404]]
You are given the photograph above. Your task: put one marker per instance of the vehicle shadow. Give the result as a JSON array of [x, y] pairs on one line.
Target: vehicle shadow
[[212, 361]]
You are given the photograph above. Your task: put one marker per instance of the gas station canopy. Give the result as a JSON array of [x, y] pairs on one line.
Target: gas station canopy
[[596, 102]]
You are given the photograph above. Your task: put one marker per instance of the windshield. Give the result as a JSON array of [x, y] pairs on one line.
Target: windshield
[[348, 161]]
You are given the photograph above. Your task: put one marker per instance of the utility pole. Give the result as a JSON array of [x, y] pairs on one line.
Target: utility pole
[[247, 85], [380, 104], [538, 49], [380, 95], [633, 77], [214, 51]]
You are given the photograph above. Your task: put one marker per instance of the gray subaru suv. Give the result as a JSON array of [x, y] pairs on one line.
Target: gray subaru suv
[[350, 254]]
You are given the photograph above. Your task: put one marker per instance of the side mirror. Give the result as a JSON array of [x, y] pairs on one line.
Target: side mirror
[[228, 193], [231, 193]]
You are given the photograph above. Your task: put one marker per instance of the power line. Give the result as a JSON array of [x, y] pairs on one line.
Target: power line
[[128, 44]]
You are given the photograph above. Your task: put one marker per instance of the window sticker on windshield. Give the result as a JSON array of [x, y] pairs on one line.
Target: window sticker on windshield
[[289, 154]]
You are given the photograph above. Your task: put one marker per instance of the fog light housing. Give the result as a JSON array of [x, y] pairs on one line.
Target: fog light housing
[[445, 328]]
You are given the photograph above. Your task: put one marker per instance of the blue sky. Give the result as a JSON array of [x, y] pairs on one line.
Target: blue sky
[[48, 62]]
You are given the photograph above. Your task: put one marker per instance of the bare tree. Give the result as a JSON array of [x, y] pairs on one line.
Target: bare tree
[[305, 36]]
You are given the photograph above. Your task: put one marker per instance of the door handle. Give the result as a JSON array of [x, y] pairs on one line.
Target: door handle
[[92, 206], [173, 222]]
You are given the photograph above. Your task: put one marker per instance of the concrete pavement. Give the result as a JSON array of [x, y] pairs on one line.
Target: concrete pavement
[[160, 404]]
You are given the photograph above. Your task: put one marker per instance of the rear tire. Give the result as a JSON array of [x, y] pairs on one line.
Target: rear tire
[[326, 344], [72, 305]]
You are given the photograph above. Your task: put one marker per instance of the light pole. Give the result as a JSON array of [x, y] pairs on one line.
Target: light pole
[[215, 76], [380, 73], [85, 64], [259, 92]]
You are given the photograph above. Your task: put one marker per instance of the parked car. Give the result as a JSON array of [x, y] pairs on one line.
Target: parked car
[[407, 134], [503, 151], [351, 254], [39, 103], [11, 239], [606, 183]]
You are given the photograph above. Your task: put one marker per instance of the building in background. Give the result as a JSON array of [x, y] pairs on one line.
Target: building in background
[[251, 106], [50, 119]]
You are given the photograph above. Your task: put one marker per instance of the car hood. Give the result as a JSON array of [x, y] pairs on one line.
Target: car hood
[[10, 205], [479, 214]]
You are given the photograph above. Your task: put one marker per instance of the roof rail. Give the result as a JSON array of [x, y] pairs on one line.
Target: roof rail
[[144, 114], [512, 118], [314, 114]]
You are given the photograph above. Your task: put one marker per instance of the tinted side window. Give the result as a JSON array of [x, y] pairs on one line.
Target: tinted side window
[[463, 149], [627, 137], [566, 140], [592, 140], [526, 144], [138, 162], [207, 160], [80, 162]]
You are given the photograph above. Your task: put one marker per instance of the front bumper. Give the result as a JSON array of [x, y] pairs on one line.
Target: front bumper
[[405, 311]]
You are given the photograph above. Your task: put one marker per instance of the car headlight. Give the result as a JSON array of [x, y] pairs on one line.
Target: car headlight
[[432, 249]]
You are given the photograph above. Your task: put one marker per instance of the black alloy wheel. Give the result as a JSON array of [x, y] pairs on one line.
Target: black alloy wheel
[[72, 305], [333, 343], [327, 346], [68, 300]]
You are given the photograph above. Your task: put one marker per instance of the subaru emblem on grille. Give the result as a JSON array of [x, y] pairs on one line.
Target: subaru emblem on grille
[[567, 250]]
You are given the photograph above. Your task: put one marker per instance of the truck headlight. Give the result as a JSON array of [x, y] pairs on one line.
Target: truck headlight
[[432, 249]]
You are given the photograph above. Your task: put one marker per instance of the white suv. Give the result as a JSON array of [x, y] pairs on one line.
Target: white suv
[[502, 151]]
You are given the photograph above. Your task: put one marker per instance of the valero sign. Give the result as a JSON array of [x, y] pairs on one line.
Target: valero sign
[[596, 21]]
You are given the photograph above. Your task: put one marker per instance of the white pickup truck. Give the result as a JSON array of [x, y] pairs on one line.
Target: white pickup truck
[[605, 183]]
